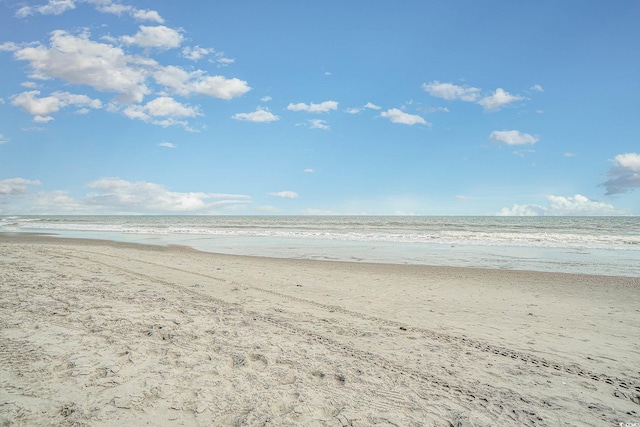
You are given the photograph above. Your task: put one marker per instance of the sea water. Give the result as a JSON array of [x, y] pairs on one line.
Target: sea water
[[590, 245]]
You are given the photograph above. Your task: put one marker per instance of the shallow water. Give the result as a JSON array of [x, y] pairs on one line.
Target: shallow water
[[591, 245]]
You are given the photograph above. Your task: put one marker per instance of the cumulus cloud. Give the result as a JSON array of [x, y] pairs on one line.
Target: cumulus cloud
[[285, 194], [261, 115], [624, 174], [78, 60], [147, 15], [309, 170], [577, 205], [3, 139], [323, 107], [42, 108], [114, 194], [158, 36], [449, 91], [498, 99], [319, 124], [537, 88], [372, 106], [167, 145], [196, 53], [16, 186], [512, 137], [164, 107], [399, 116], [186, 83]]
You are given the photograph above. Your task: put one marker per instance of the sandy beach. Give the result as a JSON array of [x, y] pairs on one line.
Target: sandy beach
[[109, 334]]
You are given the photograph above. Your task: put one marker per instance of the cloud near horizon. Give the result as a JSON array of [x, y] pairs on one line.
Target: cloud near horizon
[[284, 194], [578, 205], [115, 196]]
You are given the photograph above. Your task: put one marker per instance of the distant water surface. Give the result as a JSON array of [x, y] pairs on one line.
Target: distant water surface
[[591, 245]]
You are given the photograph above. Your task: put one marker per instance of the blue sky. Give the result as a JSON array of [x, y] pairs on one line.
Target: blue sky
[[333, 107]]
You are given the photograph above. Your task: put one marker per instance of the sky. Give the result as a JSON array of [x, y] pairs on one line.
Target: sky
[[285, 107]]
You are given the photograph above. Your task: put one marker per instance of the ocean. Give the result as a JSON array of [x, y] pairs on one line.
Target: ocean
[[589, 245]]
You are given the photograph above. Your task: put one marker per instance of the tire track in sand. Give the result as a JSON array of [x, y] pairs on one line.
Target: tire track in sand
[[628, 385]]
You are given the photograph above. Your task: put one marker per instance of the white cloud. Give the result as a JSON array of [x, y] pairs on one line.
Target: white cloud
[[159, 36], [577, 205], [148, 15], [266, 98], [78, 60], [261, 115], [512, 137], [3, 139], [319, 124], [57, 7], [436, 110], [16, 186], [285, 194], [450, 91], [42, 108], [624, 174], [522, 210], [167, 145], [163, 106], [309, 170], [368, 105], [537, 88], [106, 6], [9, 47], [569, 154], [499, 99], [186, 83], [53, 7], [196, 53], [323, 107], [114, 194], [221, 60], [398, 116]]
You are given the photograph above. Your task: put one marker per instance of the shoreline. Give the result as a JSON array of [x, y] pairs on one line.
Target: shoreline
[[132, 333], [57, 237]]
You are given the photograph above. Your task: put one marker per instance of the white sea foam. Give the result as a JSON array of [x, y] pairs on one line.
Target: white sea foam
[[594, 244]]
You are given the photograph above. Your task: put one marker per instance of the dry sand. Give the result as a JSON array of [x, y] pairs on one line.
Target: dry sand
[[111, 334]]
